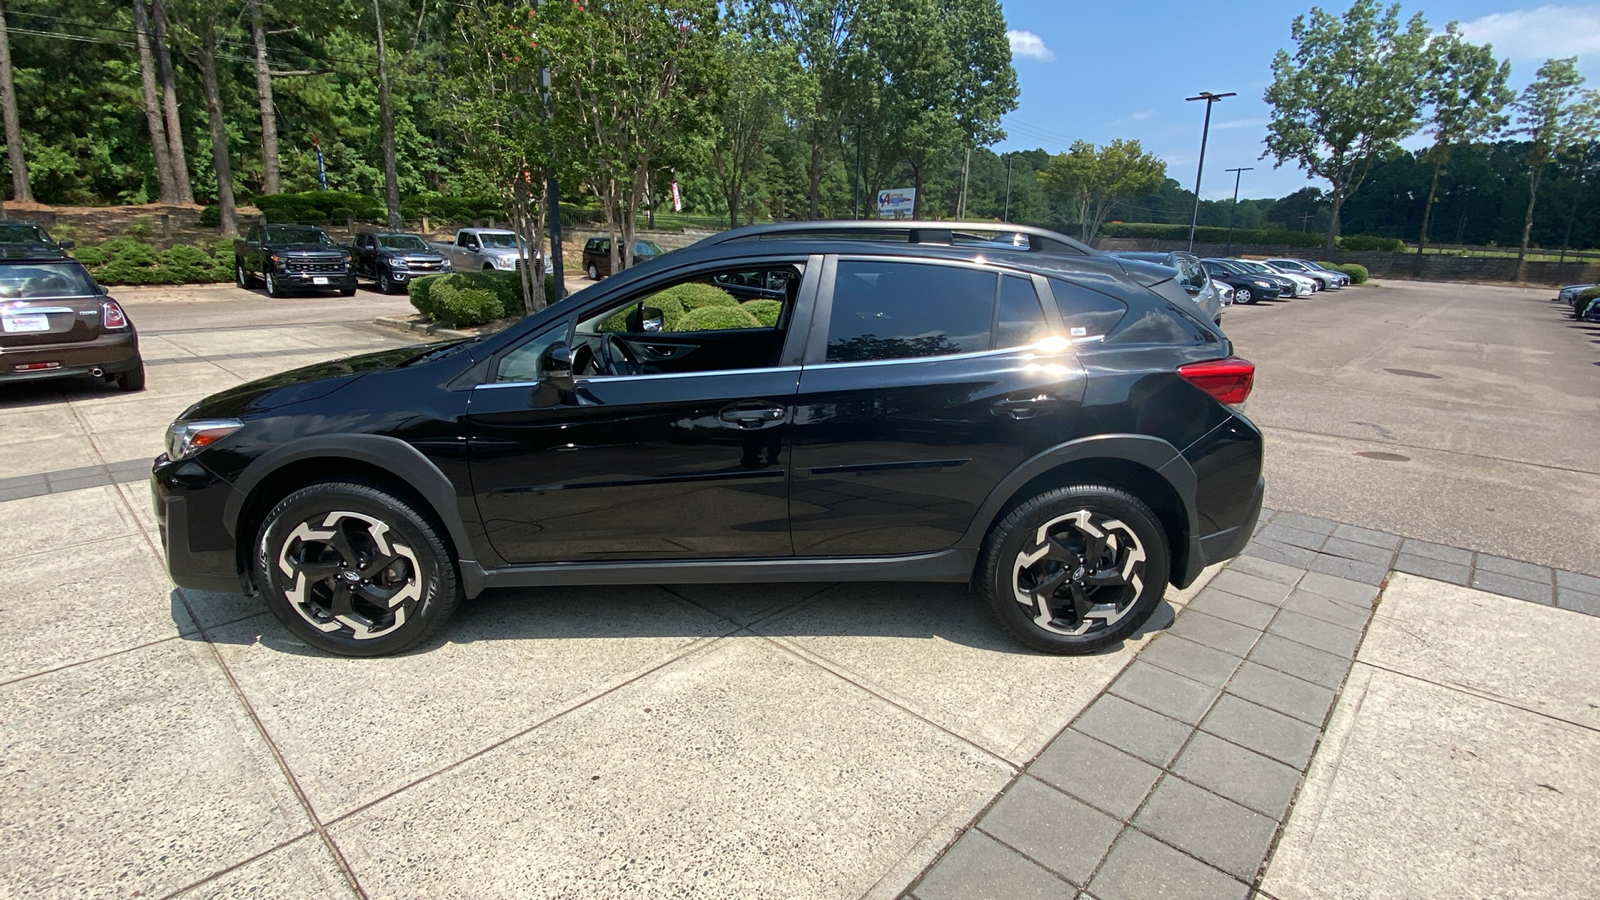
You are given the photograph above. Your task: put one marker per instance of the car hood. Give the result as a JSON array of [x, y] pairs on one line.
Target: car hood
[[413, 255], [305, 383], [305, 248]]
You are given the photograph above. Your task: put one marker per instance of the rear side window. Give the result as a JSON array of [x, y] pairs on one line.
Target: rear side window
[[895, 310], [1019, 320], [1086, 313]]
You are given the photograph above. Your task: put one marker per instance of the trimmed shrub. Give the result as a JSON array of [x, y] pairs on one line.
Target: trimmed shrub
[[505, 287], [318, 207], [695, 295], [1358, 273], [184, 264], [717, 318], [211, 217], [1359, 242], [765, 311], [1585, 302], [454, 305]]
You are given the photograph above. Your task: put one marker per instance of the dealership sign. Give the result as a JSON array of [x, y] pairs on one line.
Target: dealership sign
[[897, 203]]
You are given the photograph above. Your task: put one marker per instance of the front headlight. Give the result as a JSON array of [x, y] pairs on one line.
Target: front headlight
[[1263, 284], [397, 263], [186, 438]]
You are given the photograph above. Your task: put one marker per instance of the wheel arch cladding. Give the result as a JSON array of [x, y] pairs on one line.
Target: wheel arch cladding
[[1147, 467], [374, 458]]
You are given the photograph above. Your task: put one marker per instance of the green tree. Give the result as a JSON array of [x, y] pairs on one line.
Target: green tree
[[1095, 181], [1466, 94], [1351, 90], [1550, 112], [750, 113]]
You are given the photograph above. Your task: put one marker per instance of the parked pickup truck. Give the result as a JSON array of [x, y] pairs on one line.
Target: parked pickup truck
[[292, 258], [392, 258], [484, 248]]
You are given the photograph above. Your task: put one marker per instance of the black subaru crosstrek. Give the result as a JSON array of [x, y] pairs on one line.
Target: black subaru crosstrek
[[1005, 407]]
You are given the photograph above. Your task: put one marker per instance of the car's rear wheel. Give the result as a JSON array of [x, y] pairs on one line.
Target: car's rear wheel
[[133, 379], [353, 569], [1075, 569], [1243, 295], [240, 276]]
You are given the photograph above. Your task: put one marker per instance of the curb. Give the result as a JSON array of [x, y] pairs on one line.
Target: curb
[[429, 328]]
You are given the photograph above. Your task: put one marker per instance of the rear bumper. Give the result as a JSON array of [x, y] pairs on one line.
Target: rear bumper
[[110, 353]]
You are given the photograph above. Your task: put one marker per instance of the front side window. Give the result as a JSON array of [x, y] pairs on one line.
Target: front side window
[[897, 310]]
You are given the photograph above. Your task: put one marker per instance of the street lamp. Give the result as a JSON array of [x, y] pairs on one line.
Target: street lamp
[[1237, 173], [1209, 98]]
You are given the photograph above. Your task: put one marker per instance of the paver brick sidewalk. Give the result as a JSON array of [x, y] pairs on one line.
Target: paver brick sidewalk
[[1176, 780]]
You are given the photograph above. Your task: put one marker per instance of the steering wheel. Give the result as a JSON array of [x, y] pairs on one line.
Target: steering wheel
[[616, 358]]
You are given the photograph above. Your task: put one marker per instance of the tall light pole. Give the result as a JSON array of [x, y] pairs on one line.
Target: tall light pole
[[1237, 173], [1006, 216], [1209, 98]]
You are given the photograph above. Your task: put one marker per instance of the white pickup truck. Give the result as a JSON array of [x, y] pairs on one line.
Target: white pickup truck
[[484, 248]]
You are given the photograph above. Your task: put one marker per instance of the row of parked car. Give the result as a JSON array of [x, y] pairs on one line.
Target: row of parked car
[[1217, 283], [1584, 300]]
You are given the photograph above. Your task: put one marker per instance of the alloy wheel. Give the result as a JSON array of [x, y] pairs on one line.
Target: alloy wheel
[[384, 285], [239, 276], [344, 572], [1243, 295], [1082, 573], [272, 285]]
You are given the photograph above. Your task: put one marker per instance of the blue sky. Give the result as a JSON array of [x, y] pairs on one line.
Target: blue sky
[[1100, 71]]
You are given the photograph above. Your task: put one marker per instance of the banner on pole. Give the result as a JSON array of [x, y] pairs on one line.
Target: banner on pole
[[677, 197], [322, 173]]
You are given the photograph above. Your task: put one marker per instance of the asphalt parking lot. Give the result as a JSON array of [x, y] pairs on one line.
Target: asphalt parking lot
[[798, 741]]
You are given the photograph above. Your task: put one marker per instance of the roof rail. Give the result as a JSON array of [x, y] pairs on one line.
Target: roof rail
[[1040, 240]]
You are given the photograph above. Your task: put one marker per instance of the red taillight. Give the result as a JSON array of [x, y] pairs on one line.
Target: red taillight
[[114, 317], [1229, 380]]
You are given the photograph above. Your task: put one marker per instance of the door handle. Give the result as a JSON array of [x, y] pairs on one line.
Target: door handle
[[1027, 407], [751, 414]]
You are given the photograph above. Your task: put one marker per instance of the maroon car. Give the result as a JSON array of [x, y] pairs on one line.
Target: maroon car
[[55, 322]]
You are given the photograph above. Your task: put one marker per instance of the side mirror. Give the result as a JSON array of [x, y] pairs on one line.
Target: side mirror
[[652, 320], [556, 367], [67, 243]]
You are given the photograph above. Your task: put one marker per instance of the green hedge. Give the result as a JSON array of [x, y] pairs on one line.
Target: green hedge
[[449, 307], [1359, 242], [128, 261], [1584, 300], [765, 311], [1358, 273], [695, 295], [1212, 234], [718, 318], [318, 207]]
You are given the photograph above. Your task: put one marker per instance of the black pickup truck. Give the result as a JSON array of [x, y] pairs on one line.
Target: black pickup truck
[[292, 258], [392, 258]]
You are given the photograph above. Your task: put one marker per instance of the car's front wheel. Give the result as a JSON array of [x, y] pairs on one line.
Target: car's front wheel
[[594, 273], [385, 286], [1075, 569], [272, 286], [353, 569], [1243, 295]]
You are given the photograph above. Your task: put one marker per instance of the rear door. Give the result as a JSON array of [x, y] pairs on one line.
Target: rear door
[[924, 384]]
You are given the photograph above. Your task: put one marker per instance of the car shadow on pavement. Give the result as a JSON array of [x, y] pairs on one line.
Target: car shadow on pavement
[[870, 612]]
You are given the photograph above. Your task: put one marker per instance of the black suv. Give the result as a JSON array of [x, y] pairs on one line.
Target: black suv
[[393, 258], [1022, 413]]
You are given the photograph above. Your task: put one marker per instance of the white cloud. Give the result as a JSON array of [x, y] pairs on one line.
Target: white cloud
[[1141, 116], [1028, 45], [1538, 34], [1240, 123]]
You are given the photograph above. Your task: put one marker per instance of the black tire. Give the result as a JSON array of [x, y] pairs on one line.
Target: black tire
[[240, 276], [385, 286], [1243, 296], [321, 548], [133, 379], [1131, 570], [272, 286], [594, 273]]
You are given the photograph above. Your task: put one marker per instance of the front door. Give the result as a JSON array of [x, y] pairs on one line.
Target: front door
[[643, 460]]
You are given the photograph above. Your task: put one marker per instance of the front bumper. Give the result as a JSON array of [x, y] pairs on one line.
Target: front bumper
[[201, 553], [331, 281], [112, 354]]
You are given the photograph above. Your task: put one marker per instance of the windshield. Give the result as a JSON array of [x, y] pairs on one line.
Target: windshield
[[401, 242], [297, 234], [1249, 266], [16, 233], [38, 281], [503, 240]]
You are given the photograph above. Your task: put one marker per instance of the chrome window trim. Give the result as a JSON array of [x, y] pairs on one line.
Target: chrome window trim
[[610, 379]]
